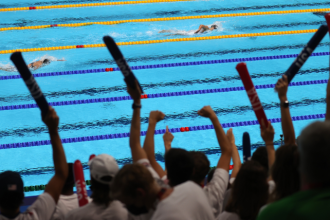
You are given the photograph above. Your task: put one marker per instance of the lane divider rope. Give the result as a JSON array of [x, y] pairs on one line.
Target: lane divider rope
[[165, 19], [157, 95], [87, 5], [160, 131], [162, 41], [167, 65]]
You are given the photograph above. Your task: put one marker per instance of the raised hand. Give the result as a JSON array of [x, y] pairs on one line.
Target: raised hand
[[282, 88], [156, 116], [134, 93], [168, 138], [230, 136], [51, 120], [267, 133], [207, 112]]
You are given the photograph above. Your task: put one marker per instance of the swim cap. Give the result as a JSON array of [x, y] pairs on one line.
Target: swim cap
[[214, 26]]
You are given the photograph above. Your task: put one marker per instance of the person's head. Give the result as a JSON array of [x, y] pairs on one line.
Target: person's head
[[314, 151], [135, 187], [69, 183], [201, 167], [214, 27], [260, 155], [103, 169], [11, 192], [249, 191], [180, 166], [285, 172], [46, 61]]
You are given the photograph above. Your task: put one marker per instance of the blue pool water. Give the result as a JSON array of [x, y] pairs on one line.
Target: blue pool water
[[35, 163]]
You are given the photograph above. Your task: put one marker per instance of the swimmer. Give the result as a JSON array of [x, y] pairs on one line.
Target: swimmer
[[203, 28], [37, 64]]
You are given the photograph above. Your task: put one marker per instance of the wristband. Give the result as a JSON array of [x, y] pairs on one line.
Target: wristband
[[134, 106], [285, 104]]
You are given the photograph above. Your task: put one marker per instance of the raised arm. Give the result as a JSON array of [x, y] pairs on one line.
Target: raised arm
[[267, 134], [134, 139], [327, 116], [55, 185], [235, 155], [149, 143], [168, 138], [286, 121], [226, 149]]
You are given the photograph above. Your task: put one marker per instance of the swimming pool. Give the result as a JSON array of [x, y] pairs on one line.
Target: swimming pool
[[102, 117]]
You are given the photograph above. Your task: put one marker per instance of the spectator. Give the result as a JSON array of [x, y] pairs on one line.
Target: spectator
[[285, 172], [249, 193], [180, 166], [260, 155], [11, 184], [103, 169], [68, 200], [135, 184], [312, 201]]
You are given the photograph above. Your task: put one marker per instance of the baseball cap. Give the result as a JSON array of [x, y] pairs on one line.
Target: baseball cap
[[10, 182], [103, 168]]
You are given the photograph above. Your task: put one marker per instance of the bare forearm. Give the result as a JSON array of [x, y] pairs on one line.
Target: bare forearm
[[134, 140], [226, 151], [149, 144], [221, 136], [287, 125], [236, 161], [60, 164]]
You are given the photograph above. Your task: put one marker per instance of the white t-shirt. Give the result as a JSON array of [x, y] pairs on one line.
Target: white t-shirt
[[228, 216], [186, 202], [92, 211], [215, 190], [42, 209], [64, 205]]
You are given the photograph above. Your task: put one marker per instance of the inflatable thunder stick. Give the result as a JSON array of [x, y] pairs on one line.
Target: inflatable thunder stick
[[121, 62], [327, 18], [30, 82], [306, 52], [246, 147], [80, 183], [91, 157], [252, 93]]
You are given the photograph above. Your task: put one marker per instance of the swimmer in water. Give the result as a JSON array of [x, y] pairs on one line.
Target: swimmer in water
[[37, 64], [203, 28]]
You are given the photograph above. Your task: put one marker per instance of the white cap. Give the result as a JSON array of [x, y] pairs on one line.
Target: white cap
[[102, 166]]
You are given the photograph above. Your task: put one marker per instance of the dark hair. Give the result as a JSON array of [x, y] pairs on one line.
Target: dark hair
[[214, 26], [261, 156], [180, 166], [285, 172], [201, 166], [46, 61], [210, 175], [249, 191], [11, 200], [100, 192], [69, 183]]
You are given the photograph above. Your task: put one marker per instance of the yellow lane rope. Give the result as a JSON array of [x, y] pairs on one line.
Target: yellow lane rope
[[88, 5], [167, 19], [161, 41]]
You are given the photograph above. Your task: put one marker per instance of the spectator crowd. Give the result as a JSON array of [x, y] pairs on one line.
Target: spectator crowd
[[292, 182]]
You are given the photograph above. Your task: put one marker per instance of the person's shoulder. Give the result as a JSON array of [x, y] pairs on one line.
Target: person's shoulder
[[117, 210], [81, 211], [228, 216], [279, 208]]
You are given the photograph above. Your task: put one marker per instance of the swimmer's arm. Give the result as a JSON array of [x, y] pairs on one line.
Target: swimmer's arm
[[61, 60]]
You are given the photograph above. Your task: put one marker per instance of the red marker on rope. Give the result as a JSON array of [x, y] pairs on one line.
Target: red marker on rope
[[80, 183], [252, 93]]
